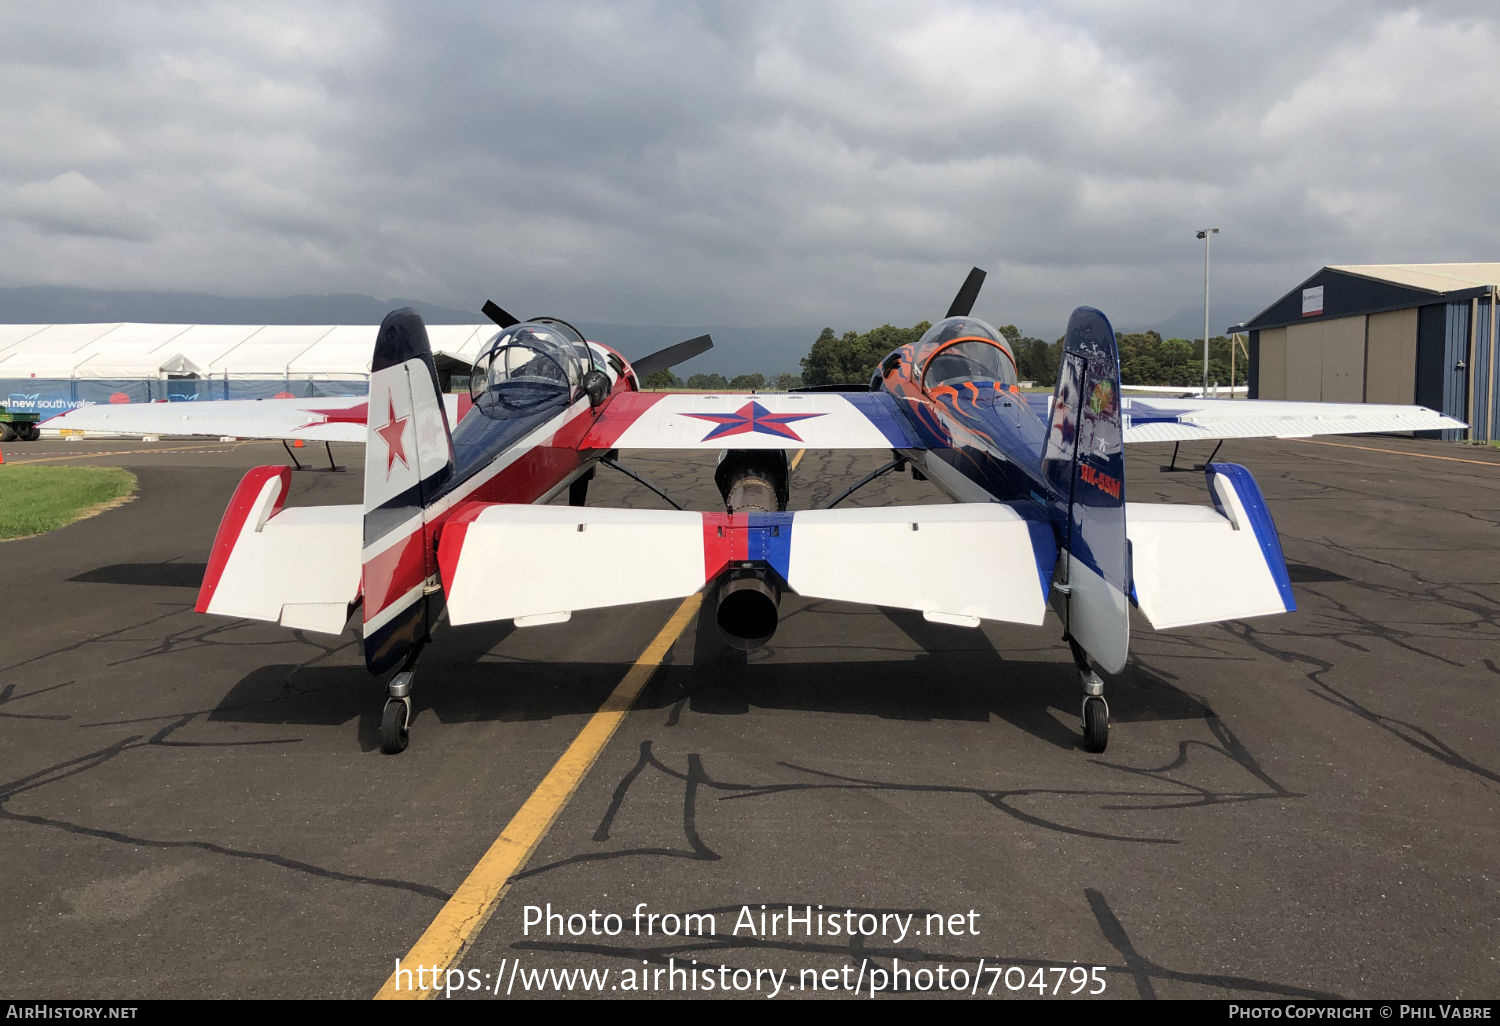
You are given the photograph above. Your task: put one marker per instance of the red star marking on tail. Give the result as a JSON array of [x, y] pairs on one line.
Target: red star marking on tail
[[393, 434]]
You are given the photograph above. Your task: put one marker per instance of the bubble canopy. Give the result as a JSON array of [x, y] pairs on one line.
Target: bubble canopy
[[528, 364], [961, 349]]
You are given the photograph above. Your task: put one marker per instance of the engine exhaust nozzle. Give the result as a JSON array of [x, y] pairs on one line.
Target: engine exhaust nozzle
[[748, 609]]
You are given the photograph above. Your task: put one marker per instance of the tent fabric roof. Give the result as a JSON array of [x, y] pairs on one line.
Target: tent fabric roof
[[131, 350], [1431, 277]]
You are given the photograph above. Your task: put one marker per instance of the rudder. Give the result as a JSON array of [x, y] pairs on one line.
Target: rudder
[[408, 459], [1084, 460]]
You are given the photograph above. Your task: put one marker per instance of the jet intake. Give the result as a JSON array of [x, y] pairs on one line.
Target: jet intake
[[748, 611]]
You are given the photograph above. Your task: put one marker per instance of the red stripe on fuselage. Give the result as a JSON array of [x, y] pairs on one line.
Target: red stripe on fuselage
[[619, 414], [726, 539], [233, 524]]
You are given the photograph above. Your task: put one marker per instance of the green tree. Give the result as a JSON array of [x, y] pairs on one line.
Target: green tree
[[787, 382], [1037, 360], [708, 382], [749, 382], [662, 379], [851, 358]]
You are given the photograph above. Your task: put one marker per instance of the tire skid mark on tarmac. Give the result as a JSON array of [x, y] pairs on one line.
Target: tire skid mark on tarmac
[[204, 635], [103, 756], [1177, 794]]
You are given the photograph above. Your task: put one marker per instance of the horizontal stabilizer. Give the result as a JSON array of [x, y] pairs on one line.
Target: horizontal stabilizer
[[1192, 564], [504, 561], [298, 566], [952, 563], [970, 562]]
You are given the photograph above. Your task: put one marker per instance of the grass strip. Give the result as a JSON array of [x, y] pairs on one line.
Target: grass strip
[[35, 500]]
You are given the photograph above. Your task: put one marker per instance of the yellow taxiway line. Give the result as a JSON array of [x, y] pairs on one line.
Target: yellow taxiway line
[[798, 458], [444, 941], [1398, 452]]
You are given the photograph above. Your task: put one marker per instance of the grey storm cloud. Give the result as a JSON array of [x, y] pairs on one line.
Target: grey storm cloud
[[750, 163]]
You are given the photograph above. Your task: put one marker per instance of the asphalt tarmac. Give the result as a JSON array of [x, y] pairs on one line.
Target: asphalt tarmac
[[1296, 806]]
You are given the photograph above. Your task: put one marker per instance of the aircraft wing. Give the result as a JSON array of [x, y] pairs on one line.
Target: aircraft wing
[[333, 419], [1185, 420], [777, 420]]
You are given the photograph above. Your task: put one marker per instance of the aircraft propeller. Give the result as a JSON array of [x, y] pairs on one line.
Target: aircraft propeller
[[671, 356], [963, 303]]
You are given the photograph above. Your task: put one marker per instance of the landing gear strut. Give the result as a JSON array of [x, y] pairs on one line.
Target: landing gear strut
[[1095, 713]]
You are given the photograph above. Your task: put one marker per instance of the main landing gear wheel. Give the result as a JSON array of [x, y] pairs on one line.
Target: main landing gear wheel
[[393, 726], [1095, 723]]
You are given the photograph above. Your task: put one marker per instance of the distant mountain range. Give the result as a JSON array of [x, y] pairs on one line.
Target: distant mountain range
[[737, 350], [1188, 322]]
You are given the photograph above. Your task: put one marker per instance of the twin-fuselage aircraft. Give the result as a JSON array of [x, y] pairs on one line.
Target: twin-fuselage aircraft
[[456, 520]]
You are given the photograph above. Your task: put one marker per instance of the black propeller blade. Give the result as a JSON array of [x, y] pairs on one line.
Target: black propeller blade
[[963, 303], [671, 356], [499, 316]]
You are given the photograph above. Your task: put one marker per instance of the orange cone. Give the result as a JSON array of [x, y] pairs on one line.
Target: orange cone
[[296, 443]]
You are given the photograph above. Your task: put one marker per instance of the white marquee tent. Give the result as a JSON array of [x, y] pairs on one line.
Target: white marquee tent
[[211, 351]]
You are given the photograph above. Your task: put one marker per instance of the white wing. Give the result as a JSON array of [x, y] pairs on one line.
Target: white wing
[[1180, 420], [340, 419]]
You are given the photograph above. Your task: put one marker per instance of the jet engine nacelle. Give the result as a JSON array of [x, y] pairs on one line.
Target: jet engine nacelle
[[749, 608], [753, 480]]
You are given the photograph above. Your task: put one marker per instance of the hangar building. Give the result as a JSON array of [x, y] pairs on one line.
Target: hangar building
[[1385, 333], [53, 368]]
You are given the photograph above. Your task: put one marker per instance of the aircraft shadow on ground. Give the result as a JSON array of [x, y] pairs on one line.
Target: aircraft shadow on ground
[[152, 575], [957, 675]]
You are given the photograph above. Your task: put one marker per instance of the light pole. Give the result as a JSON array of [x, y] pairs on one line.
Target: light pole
[[1204, 235]]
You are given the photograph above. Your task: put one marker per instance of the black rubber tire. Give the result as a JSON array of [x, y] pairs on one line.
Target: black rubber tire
[[32, 433], [7, 433], [393, 732], [1095, 725]]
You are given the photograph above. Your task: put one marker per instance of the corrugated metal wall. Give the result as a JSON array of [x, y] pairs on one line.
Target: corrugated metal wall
[[1481, 379], [1456, 352]]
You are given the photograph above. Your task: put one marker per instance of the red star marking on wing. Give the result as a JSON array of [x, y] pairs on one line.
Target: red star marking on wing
[[752, 417], [345, 415], [392, 434]]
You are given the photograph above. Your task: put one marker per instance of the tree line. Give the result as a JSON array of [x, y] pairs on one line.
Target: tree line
[[1145, 357], [850, 359]]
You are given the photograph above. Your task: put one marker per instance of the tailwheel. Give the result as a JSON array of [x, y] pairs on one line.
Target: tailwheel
[[393, 726], [1095, 723]]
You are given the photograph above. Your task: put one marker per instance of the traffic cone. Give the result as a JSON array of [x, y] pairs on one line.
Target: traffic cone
[[296, 443]]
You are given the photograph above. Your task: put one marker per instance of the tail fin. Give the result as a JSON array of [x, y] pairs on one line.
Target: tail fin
[[1085, 462], [408, 459]]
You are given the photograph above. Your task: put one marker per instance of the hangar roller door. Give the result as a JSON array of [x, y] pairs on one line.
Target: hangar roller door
[[1325, 360], [1391, 357], [1304, 362], [1272, 381], [1344, 360]]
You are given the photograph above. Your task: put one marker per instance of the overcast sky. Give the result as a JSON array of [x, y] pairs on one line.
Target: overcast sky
[[743, 162]]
